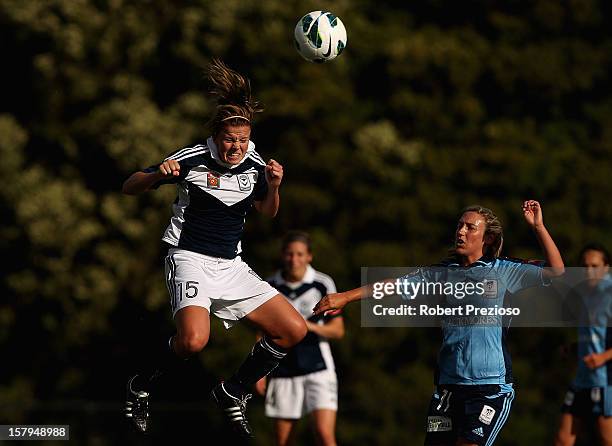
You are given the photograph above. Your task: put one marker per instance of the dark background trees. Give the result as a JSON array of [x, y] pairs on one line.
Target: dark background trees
[[434, 105]]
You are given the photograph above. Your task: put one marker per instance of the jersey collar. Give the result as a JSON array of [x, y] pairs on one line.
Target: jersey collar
[[483, 261], [214, 152]]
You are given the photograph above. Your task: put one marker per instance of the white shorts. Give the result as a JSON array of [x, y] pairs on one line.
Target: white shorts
[[292, 398], [228, 288]]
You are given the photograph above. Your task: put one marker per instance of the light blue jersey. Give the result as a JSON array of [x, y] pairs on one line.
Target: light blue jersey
[[474, 349], [594, 333]]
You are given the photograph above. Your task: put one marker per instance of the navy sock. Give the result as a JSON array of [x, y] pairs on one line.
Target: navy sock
[[162, 361], [264, 357]]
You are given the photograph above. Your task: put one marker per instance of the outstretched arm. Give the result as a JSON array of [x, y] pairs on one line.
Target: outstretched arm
[[333, 303], [274, 176], [532, 212], [140, 182]]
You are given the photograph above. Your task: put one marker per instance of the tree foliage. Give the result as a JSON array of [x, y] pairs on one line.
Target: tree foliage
[[433, 106]]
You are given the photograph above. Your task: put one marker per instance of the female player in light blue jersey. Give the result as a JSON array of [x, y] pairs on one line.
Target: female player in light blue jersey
[[218, 183], [474, 390], [588, 402]]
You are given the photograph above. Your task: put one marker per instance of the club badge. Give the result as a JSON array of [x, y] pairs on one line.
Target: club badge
[[244, 183], [490, 288], [212, 180]]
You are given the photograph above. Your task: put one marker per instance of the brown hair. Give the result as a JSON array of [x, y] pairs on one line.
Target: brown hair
[[235, 104], [296, 236], [598, 247], [493, 228]]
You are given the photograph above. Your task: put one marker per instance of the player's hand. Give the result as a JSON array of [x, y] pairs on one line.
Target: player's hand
[[260, 386], [594, 360], [274, 173], [533, 213], [331, 304], [170, 167]]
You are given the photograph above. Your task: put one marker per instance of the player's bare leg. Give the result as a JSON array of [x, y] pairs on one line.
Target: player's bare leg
[[192, 331], [324, 426], [604, 426], [568, 429], [279, 321], [283, 327], [284, 432]]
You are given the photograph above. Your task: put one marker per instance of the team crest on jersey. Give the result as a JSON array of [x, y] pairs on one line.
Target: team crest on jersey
[[212, 180], [244, 183], [490, 288]]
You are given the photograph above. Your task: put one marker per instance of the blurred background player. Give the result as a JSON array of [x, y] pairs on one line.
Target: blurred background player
[[589, 398], [305, 382], [474, 384], [217, 184]]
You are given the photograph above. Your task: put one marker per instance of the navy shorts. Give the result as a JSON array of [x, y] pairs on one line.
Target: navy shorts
[[588, 403], [474, 413]]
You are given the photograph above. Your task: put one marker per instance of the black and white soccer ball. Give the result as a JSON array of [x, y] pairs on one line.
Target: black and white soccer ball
[[320, 36]]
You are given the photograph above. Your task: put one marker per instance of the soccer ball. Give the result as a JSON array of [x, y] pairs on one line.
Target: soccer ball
[[320, 36]]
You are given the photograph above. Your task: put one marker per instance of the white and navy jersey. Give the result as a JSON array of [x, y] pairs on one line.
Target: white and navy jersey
[[213, 199], [313, 353]]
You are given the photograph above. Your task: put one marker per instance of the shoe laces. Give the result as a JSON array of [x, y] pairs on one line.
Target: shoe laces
[[242, 402]]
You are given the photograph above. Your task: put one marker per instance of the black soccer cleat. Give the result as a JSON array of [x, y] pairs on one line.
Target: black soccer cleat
[[234, 409], [137, 406]]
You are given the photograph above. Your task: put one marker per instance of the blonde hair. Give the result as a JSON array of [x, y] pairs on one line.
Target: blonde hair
[[235, 104], [493, 228]]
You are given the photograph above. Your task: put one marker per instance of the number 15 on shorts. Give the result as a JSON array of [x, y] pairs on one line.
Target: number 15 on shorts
[[188, 290]]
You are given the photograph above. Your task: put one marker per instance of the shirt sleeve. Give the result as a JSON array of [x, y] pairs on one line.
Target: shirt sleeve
[[520, 275], [171, 179], [331, 288], [261, 186], [420, 275]]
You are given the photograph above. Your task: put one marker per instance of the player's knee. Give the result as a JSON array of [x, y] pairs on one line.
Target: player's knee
[[290, 333], [296, 332], [192, 343]]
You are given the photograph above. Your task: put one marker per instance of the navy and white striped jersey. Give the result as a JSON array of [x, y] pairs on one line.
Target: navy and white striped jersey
[[594, 333], [313, 353], [213, 199]]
